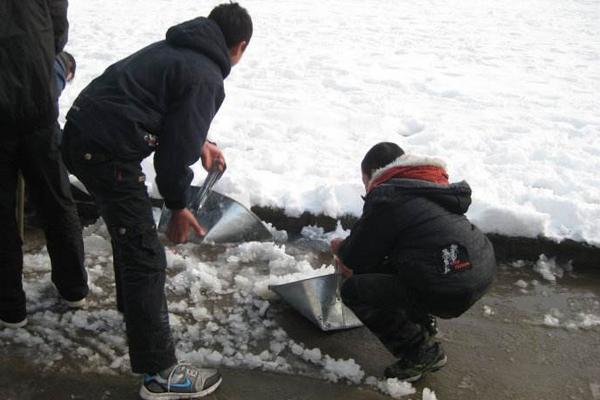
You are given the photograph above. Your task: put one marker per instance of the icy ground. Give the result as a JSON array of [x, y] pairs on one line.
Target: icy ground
[[505, 91], [223, 314]]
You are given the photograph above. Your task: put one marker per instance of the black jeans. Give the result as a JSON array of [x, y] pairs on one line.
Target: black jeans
[[389, 309], [139, 258], [36, 154]]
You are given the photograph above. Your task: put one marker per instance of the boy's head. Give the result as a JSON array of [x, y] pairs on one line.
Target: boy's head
[[236, 25], [377, 157], [68, 61]]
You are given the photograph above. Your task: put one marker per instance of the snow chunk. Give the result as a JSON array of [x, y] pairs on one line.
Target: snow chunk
[[429, 394], [521, 283], [393, 387], [334, 370], [550, 320], [548, 268], [488, 311]]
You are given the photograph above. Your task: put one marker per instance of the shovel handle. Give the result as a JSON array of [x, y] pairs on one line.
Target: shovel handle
[[213, 176]]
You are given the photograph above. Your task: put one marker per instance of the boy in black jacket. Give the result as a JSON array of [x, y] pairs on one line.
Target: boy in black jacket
[[159, 100], [411, 256]]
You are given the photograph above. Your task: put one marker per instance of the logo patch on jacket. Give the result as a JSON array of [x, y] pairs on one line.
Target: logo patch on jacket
[[454, 259]]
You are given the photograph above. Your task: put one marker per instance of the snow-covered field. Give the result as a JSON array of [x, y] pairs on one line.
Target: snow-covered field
[[505, 91]]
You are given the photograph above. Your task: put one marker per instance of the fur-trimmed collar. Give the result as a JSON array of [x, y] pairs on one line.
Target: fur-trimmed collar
[[408, 160]]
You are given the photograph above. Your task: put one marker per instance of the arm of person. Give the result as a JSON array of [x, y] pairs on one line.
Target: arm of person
[[180, 145], [58, 12], [181, 142], [371, 240]]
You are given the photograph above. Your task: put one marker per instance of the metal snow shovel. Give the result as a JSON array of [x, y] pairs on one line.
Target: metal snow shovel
[[225, 220], [319, 300]]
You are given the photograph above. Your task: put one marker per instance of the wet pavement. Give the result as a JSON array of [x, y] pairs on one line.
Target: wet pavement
[[528, 338]]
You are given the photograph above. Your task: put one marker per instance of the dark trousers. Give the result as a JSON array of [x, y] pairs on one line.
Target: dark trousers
[[389, 309], [139, 258], [36, 154]]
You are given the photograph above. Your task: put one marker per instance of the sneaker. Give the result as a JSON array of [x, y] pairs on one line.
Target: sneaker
[[8, 323], [428, 358], [78, 304], [183, 381]]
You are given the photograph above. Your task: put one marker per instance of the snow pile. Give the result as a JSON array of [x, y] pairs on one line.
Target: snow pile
[[282, 267]]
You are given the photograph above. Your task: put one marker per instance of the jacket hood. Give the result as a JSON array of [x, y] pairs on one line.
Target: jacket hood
[[408, 160], [455, 197], [203, 35]]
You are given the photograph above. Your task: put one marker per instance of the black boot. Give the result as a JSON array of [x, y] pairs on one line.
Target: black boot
[[428, 357]]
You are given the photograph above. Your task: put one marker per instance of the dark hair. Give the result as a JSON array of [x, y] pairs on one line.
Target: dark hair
[[71, 65], [379, 156], [234, 21]]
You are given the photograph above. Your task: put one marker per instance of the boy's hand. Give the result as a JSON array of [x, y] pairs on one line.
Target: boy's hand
[[345, 271], [211, 155], [335, 244], [180, 224]]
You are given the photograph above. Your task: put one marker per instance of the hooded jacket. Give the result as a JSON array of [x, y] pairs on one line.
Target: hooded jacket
[[417, 229], [163, 99], [31, 33]]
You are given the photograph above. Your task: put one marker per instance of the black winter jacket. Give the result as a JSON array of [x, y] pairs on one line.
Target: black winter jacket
[[31, 33], [418, 230], [163, 99]]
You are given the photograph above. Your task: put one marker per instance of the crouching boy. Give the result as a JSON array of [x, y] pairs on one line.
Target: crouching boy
[[413, 255]]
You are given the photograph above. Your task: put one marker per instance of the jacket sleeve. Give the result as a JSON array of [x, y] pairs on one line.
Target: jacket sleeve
[[58, 12], [180, 143], [371, 240]]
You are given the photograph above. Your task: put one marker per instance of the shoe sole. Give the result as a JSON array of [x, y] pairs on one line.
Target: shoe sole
[[13, 325], [435, 367], [76, 303], [148, 395]]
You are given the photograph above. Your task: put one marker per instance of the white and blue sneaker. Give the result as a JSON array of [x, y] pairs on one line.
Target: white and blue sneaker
[[182, 381]]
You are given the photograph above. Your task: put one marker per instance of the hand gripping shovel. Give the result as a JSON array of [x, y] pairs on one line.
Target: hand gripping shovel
[[319, 300], [225, 220]]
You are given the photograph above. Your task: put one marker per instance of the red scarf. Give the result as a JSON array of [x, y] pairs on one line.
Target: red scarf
[[429, 173]]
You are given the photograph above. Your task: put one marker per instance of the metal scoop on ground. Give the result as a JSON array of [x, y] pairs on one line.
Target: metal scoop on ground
[[225, 220], [319, 300]]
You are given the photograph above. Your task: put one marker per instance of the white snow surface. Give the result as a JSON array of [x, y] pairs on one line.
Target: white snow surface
[[506, 92]]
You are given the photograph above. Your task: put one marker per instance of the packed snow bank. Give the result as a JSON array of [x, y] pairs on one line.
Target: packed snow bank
[[506, 92]]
